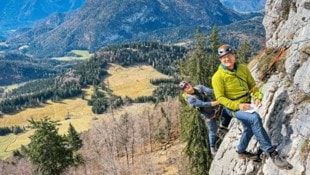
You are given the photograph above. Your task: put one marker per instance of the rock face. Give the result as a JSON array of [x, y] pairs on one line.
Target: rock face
[[285, 107]]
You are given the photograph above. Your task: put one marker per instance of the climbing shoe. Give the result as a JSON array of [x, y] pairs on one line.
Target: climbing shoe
[[213, 151], [222, 127], [279, 161], [260, 156], [247, 155]]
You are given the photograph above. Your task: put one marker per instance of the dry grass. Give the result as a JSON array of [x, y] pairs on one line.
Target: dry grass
[[80, 112], [149, 157], [305, 149], [68, 58], [132, 81], [163, 157], [9, 138], [21, 139], [10, 88], [78, 108], [256, 59], [56, 111], [83, 54], [81, 122]]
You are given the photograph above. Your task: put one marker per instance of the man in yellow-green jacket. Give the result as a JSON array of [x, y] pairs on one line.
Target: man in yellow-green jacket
[[235, 88]]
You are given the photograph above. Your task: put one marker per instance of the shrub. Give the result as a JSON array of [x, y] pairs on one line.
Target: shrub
[[305, 149]]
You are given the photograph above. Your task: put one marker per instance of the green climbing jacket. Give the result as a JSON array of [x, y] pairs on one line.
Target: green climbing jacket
[[234, 87]]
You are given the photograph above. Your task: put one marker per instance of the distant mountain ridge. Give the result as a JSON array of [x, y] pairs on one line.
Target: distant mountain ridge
[[102, 22], [22, 13], [245, 5]]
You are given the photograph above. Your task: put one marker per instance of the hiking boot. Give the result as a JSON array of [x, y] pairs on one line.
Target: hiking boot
[[260, 155], [224, 128], [213, 151], [279, 161], [247, 155]]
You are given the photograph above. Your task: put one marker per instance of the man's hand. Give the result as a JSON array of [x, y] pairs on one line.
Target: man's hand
[[244, 106], [207, 120], [257, 103], [215, 103], [247, 106]]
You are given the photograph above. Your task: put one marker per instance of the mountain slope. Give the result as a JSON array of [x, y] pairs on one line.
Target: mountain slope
[[245, 5], [16, 68], [16, 13], [100, 22]]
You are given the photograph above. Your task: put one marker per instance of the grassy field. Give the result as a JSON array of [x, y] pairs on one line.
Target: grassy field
[[82, 54], [80, 112], [131, 81], [11, 87]]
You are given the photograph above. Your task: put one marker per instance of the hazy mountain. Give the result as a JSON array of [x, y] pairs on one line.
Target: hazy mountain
[[245, 5], [102, 22], [23, 13]]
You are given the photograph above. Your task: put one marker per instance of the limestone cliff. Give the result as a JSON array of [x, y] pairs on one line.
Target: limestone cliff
[[286, 106]]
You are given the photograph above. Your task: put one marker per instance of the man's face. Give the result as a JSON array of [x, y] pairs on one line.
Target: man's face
[[228, 60], [188, 88]]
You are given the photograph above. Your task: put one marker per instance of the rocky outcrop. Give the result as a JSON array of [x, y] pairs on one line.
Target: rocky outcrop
[[285, 106], [287, 25]]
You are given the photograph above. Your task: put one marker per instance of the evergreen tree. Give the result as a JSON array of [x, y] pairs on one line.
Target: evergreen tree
[[74, 138], [195, 133], [244, 53], [202, 64], [214, 43], [200, 55], [198, 69], [48, 151], [193, 69], [99, 105], [197, 148], [98, 101], [214, 40], [185, 118]]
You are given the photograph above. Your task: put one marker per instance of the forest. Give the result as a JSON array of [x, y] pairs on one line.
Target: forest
[[164, 58]]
